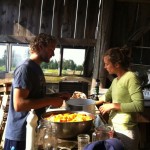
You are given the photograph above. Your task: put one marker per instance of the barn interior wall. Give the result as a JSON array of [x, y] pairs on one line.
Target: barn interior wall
[[61, 18], [21, 21], [131, 20], [131, 26]]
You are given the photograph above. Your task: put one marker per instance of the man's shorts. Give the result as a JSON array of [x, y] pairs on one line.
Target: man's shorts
[[14, 145]]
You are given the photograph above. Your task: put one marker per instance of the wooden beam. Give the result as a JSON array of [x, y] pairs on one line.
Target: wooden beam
[[61, 41], [134, 1], [77, 42]]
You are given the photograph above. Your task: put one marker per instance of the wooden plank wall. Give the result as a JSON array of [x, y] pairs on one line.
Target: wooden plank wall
[[24, 18], [8, 16], [128, 19], [103, 41], [29, 18]]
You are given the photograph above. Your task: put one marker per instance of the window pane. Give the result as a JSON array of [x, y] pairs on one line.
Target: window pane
[[51, 68], [3, 57], [73, 60], [19, 53]]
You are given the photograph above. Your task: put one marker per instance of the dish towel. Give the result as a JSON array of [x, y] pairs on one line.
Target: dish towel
[[109, 144]]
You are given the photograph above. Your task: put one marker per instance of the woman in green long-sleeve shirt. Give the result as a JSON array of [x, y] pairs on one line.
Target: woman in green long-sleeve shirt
[[124, 98]]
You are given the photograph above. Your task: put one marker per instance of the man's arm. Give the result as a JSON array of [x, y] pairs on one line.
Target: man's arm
[[22, 103]]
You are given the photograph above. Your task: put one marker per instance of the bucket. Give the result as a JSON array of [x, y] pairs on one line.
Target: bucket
[[87, 105]]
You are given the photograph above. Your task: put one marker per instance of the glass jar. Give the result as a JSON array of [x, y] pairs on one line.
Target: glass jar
[[83, 140], [102, 132], [46, 136], [50, 139]]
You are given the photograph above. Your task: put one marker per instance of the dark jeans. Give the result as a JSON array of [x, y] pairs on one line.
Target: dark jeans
[[14, 145]]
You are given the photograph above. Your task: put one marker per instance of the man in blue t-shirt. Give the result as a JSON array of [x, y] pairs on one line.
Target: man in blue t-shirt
[[29, 91]]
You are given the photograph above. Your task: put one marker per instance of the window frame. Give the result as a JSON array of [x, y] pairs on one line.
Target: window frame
[[9, 56], [60, 69], [7, 61]]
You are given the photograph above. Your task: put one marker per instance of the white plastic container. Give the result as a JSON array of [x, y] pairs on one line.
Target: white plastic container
[[30, 130]]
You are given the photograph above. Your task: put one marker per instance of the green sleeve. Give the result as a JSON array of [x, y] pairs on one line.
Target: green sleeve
[[137, 101]]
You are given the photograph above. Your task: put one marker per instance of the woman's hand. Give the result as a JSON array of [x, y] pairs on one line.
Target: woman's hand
[[107, 107]]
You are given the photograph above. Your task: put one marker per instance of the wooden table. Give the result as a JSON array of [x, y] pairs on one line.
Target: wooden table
[[143, 120]]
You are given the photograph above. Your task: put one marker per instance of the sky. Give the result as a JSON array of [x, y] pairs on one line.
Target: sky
[[77, 55]]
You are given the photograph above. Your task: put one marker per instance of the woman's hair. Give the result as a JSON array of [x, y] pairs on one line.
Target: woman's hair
[[42, 40], [120, 56]]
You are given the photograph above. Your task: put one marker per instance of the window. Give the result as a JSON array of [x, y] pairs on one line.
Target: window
[[73, 60], [3, 58], [72, 63], [52, 68], [68, 62], [19, 52]]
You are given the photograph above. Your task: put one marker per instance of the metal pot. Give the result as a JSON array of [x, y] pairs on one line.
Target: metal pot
[[87, 105], [67, 130]]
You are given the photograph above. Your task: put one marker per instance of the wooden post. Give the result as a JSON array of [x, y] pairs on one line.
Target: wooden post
[[103, 41]]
